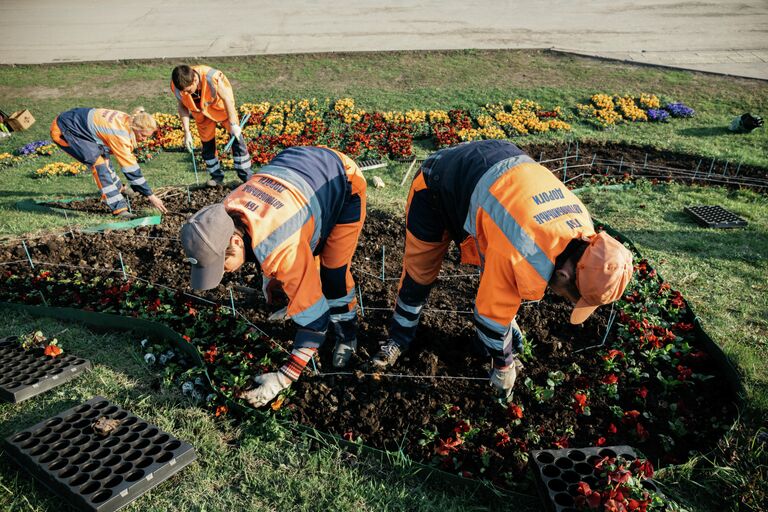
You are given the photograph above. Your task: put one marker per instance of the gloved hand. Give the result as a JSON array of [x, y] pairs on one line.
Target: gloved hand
[[745, 123], [343, 351], [281, 315], [503, 378], [188, 143], [235, 130], [269, 386], [269, 286]]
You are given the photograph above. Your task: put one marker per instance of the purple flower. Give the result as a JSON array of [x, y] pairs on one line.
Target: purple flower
[[679, 110], [657, 115], [30, 148]]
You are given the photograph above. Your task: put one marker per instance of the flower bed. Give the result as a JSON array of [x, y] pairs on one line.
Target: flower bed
[[652, 384]]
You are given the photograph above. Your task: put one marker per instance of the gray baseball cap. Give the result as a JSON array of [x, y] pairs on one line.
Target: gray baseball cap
[[205, 238]]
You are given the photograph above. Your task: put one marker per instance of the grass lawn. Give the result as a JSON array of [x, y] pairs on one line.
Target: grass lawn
[[245, 466]]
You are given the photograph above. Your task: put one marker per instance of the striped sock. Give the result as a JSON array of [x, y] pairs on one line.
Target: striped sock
[[297, 362]]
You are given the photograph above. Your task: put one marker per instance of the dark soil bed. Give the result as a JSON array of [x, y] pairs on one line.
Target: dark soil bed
[[400, 412]]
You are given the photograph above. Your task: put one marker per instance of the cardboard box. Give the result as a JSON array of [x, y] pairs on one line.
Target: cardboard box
[[21, 120]]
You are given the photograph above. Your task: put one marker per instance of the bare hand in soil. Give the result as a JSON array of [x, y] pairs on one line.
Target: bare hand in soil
[[103, 425], [157, 203]]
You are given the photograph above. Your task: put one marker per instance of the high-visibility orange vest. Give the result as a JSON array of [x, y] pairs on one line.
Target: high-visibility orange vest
[[211, 103]]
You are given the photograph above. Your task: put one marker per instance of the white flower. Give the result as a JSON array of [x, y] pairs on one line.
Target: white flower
[[188, 388], [149, 358]]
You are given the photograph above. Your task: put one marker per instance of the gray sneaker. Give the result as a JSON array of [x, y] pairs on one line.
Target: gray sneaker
[[126, 215], [387, 355], [343, 351], [128, 191]]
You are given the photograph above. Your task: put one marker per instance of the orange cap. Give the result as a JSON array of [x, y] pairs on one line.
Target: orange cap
[[602, 275]]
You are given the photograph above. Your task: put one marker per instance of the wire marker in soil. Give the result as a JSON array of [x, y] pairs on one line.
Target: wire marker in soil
[[558, 472], [98, 456], [715, 217], [26, 374], [367, 165]]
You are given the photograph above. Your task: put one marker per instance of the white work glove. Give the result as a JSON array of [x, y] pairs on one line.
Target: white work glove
[[503, 379], [235, 130], [281, 315], [269, 385], [188, 143]]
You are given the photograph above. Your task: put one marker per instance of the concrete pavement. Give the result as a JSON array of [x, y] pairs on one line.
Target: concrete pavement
[[727, 36]]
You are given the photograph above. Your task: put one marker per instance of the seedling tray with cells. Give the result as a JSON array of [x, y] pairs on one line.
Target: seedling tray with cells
[[558, 473], [715, 217], [98, 456], [25, 374]]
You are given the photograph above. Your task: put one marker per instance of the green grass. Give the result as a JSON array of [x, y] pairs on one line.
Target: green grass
[[240, 466], [378, 81]]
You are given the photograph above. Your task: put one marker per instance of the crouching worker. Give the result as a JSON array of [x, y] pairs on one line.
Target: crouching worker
[[308, 202], [524, 229], [89, 135]]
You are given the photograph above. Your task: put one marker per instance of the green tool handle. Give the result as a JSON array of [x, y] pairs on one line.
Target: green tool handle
[[232, 139]]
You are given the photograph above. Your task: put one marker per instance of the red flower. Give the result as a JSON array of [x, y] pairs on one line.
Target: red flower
[[642, 392], [210, 354], [563, 442], [448, 446], [187, 338], [221, 410], [601, 441], [676, 300], [610, 379], [502, 438], [643, 467], [630, 417], [642, 433], [462, 427], [683, 372], [514, 411], [612, 429], [579, 402], [349, 436], [612, 354], [52, 351], [614, 506]]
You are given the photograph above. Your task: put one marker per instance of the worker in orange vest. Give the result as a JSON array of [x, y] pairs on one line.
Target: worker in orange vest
[[206, 94], [307, 202], [524, 229], [90, 135]]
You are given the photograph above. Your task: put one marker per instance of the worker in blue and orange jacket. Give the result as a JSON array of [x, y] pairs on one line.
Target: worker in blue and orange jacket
[[524, 229], [90, 135], [206, 94], [307, 202]]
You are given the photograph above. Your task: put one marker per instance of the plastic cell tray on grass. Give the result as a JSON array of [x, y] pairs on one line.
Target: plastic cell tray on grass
[[367, 165], [715, 217], [24, 374], [98, 470], [558, 472]]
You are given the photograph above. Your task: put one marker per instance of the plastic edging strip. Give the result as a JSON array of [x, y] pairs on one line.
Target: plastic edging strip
[[39, 206]]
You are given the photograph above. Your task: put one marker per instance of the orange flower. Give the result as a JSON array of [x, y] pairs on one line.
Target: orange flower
[[52, 350], [221, 410], [277, 404]]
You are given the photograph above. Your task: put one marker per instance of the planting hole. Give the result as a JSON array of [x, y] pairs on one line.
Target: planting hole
[[123, 468], [153, 451], [73, 418], [133, 436], [109, 443], [79, 479], [165, 457], [583, 468], [101, 454], [135, 475], [173, 445], [101, 474], [38, 450], [628, 456], [563, 499], [545, 458], [550, 471], [113, 482], [101, 496], [83, 408], [61, 445], [564, 463], [90, 447], [120, 415], [57, 465], [68, 472], [80, 441], [14, 384], [607, 452], [48, 457], [18, 438], [100, 405], [89, 487], [120, 431], [81, 424], [135, 454], [71, 452], [51, 438], [130, 421], [71, 434], [121, 449], [112, 461], [557, 485], [571, 477], [577, 455], [143, 443], [91, 415], [79, 459], [139, 427], [109, 410], [143, 463], [90, 467], [30, 443], [163, 438], [53, 422], [43, 432], [150, 433]]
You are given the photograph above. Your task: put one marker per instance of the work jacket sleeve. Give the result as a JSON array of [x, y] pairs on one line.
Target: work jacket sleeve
[[294, 266], [496, 305], [123, 151]]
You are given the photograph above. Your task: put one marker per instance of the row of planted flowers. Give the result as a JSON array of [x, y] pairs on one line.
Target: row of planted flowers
[[652, 386], [342, 125]]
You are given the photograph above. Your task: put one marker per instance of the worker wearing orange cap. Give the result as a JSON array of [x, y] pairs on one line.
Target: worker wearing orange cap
[[524, 229], [206, 95]]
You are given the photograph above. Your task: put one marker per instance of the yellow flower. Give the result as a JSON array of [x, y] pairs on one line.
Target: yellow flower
[[438, 116], [649, 101]]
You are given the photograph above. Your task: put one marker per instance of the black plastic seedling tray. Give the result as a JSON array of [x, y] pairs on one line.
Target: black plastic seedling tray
[[367, 165], [25, 374], [98, 470], [715, 217], [558, 472]]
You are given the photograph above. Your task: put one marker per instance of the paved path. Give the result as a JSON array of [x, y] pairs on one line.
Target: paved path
[[726, 36]]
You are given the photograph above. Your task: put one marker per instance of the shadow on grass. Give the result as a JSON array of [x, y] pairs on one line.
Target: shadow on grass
[[708, 131]]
